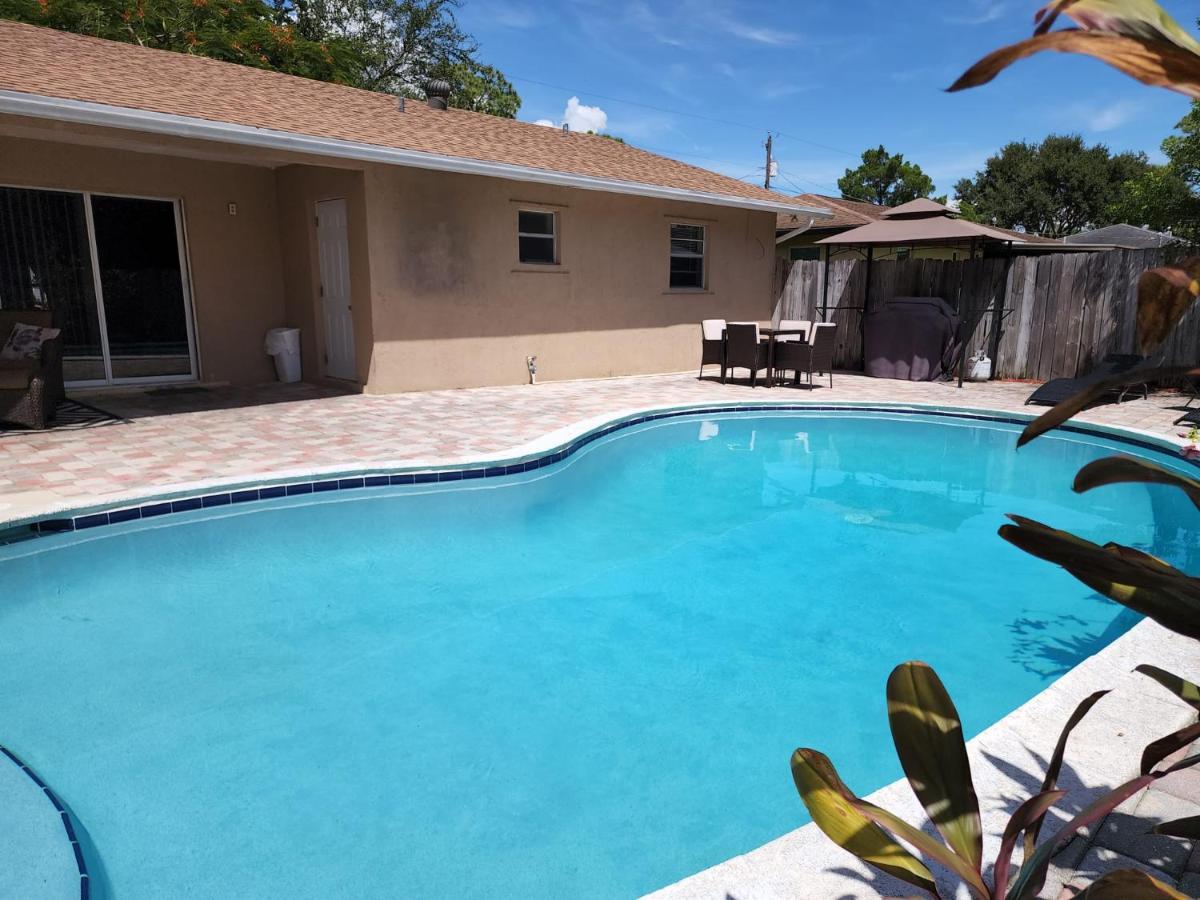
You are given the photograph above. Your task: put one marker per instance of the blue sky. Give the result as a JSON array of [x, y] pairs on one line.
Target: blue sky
[[831, 78]]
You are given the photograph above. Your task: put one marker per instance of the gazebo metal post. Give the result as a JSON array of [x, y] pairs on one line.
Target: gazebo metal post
[[825, 285], [962, 344]]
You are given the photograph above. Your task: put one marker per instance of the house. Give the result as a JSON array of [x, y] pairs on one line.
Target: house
[[797, 239], [1128, 237], [171, 208]]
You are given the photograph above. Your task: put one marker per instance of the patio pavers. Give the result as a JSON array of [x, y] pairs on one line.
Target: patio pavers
[[176, 441]]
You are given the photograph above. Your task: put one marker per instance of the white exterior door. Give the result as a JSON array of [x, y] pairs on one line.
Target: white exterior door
[[333, 249]]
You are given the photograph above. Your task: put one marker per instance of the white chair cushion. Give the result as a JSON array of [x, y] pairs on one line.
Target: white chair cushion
[[712, 329], [793, 325]]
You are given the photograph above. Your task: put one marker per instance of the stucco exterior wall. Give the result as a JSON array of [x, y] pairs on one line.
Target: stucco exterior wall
[[236, 273], [300, 188], [453, 307]]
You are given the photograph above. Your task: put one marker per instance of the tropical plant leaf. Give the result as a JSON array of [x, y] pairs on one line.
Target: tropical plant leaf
[[1183, 689], [1024, 818], [1034, 829], [929, 741], [1134, 579], [1129, 469], [1032, 876], [1164, 295], [1059, 413], [1129, 884], [1156, 751], [831, 805], [1136, 18], [928, 845], [1149, 61], [1185, 828]]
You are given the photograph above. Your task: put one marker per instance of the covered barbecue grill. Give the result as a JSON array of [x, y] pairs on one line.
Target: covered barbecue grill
[[911, 338]]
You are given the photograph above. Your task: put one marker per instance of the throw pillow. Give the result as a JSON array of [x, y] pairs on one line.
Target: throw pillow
[[25, 341]]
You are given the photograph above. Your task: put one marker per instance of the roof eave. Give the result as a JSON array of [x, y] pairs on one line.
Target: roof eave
[[131, 119]]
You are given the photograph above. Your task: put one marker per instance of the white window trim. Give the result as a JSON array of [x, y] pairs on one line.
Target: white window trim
[[554, 235], [702, 256]]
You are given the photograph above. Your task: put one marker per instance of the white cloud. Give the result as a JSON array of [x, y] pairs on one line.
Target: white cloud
[[579, 117], [984, 12], [1106, 118], [512, 15], [759, 34]]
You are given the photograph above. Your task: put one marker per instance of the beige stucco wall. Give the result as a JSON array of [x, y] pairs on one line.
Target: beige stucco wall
[[452, 307], [299, 190], [236, 272]]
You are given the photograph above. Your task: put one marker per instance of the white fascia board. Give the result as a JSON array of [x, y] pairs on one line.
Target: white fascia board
[[87, 113]]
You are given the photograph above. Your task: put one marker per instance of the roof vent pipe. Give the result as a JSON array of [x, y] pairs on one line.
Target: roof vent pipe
[[566, 127], [400, 104], [437, 93]]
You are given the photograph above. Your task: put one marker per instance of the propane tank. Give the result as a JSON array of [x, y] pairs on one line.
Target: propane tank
[[981, 367]]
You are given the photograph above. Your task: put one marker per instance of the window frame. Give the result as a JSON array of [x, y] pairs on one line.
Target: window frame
[[553, 235], [672, 255]]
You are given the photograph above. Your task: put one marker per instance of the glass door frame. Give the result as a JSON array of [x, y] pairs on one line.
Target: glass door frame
[[185, 279]]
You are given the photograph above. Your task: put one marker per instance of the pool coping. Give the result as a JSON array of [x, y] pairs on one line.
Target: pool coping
[[543, 451]]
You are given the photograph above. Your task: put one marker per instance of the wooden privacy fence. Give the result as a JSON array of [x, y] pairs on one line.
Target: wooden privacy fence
[[1037, 317]]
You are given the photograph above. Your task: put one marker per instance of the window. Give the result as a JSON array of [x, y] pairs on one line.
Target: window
[[803, 253], [687, 256], [536, 237]]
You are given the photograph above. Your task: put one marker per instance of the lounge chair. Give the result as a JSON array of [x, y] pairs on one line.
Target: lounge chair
[[1060, 389], [744, 350], [30, 389], [712, 344], [812, 355]]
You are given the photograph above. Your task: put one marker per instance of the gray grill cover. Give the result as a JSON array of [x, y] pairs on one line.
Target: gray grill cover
[[910, 338]]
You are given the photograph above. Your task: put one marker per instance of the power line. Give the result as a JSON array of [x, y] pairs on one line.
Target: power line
[[676, 112]]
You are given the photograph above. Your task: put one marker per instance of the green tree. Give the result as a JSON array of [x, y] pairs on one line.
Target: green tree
[[1158, 198], [1054, 188], [885, 179], [480, 88], [239, 31]]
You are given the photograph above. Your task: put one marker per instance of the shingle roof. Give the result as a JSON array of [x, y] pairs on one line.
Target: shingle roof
[[1123, 236], [846, 213], [48, 63]]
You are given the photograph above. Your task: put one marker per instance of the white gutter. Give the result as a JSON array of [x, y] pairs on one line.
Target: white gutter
[[86, 113], [783, 238]]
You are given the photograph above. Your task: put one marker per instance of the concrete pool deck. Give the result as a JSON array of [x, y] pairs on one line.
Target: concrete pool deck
[[181, 443]]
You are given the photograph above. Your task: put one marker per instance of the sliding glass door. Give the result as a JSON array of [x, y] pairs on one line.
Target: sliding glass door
[[112, 270]]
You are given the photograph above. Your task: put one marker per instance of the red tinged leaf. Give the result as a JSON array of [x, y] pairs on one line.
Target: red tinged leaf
[[1164, 295], [1130, 469]]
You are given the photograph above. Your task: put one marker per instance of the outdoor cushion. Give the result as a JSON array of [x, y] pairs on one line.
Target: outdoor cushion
[[25, 341], [15, 374]]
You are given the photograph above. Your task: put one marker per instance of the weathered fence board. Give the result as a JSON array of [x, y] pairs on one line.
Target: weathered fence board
[[1038, 317]]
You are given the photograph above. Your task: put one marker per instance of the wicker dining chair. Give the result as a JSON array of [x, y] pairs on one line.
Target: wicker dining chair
[[812, 355], [30, 389], [744, 350], [712, 345]]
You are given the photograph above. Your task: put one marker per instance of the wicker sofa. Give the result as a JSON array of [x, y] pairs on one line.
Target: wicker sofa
[[30, 389]]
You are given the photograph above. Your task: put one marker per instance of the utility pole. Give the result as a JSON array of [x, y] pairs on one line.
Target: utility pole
[[767, 179]]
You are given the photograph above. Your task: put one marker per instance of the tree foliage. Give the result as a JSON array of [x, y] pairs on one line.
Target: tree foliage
[[885, 179], [1054, 188], [380, 45]]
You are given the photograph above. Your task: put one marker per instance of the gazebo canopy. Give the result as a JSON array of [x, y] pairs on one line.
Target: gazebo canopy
[[920, 222]]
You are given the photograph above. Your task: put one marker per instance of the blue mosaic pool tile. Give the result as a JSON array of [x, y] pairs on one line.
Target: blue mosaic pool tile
[[185, 505], [270, 493], [473, 473], [303, 488], [345, 484], [124, 515], [454, 475], [403, 478], [91, 521], [215, 500], [244, 496], [377, 480], [55, 526], [425, 478], [320, 487], [150, 510]]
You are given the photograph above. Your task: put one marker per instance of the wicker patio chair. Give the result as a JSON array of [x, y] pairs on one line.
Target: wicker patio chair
[[812, 355], [712, 345], [30, 389], [744, 350]]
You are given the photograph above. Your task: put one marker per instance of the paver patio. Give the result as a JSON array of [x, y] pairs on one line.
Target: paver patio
[[176, 441]]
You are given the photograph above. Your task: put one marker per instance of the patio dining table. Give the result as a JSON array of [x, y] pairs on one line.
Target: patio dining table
[[768, 335]]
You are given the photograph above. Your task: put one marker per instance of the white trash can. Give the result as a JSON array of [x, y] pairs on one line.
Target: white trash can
[[284, 345]]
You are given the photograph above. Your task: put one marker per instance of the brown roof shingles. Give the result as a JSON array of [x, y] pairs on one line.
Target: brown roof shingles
[[846, 213], [55, 64]]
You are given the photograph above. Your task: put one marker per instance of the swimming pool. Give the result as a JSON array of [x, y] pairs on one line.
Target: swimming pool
[[581, 681]]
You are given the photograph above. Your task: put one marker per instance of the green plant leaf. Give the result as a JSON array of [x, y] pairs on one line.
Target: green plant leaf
[[926, 844], [1055, 766], [1129, 884], [929, 741], [1149, 61], [1026, 815], [1186, 691], [1185, 828], [1059, 413], [1164, 295], [1135, 18], [1156, 751], [1134, 579], [1129, 469], [830, 803]]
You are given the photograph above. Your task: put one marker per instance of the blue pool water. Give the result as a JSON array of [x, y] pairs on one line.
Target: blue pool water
[[581, 682]]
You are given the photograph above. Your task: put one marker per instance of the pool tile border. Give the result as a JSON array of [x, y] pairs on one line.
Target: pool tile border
[[330, 483], [65, 818]]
